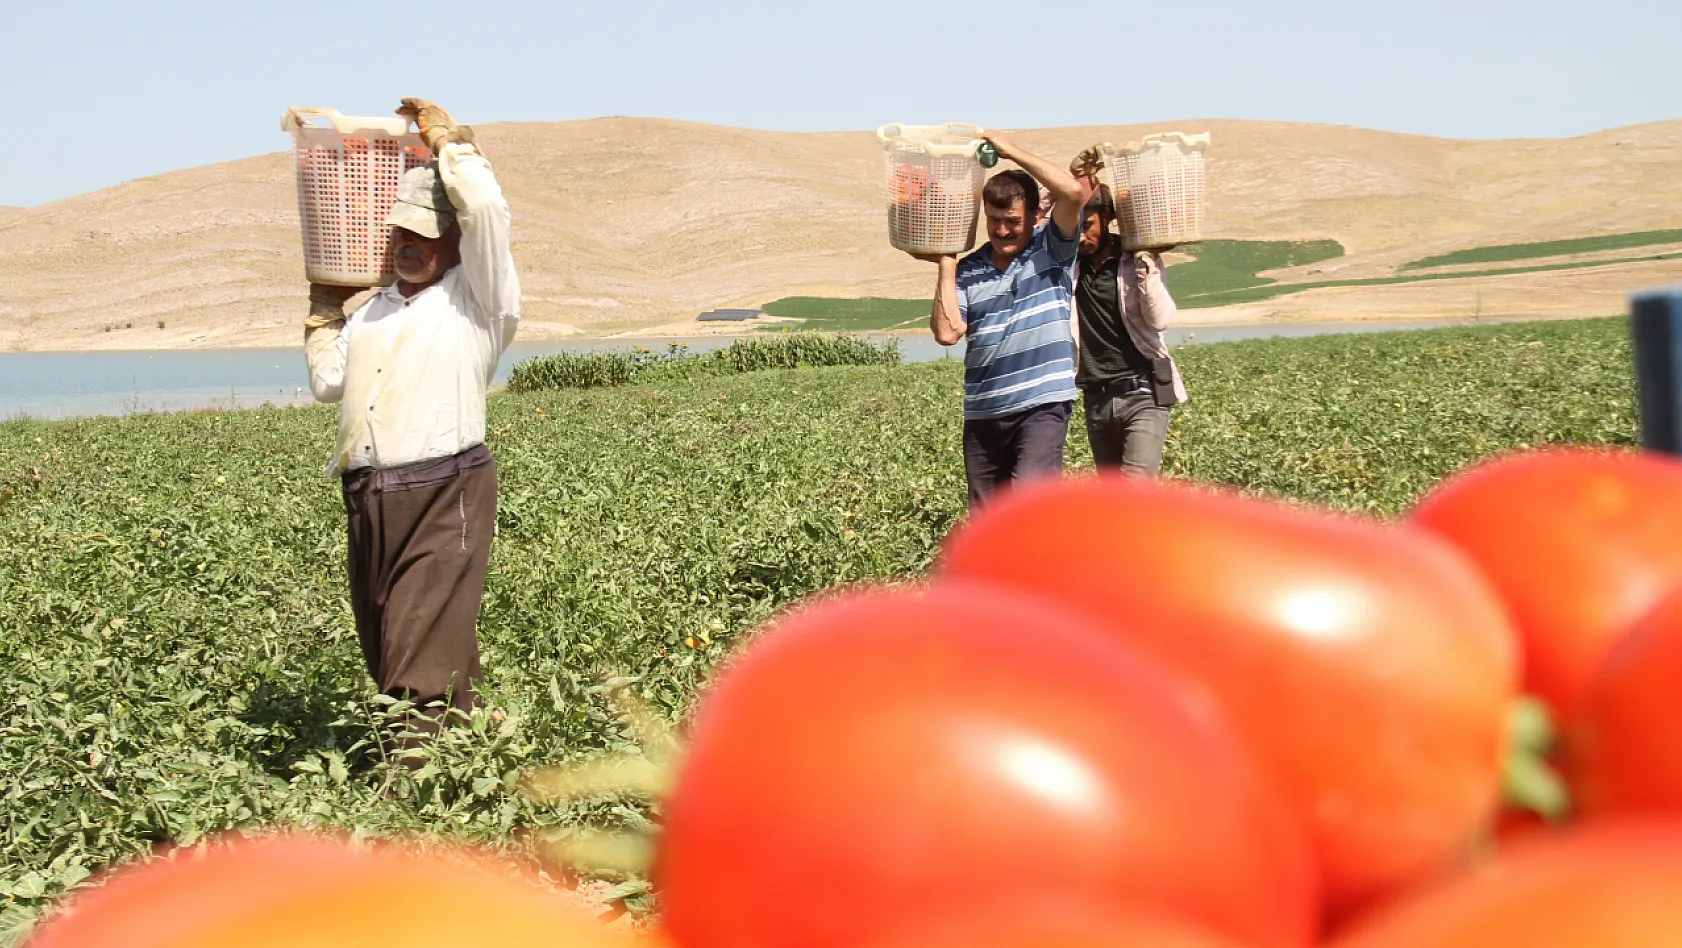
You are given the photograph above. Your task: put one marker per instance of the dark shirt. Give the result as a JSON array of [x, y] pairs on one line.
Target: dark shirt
[[1107, 352]]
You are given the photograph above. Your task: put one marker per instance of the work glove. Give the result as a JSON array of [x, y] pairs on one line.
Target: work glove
[[327, 304], [1145, 264], [1087, 164], [436, 126]]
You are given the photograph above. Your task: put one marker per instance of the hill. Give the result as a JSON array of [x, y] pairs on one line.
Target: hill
[[641, 224]]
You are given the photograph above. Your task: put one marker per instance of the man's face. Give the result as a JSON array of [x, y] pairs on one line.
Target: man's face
[[1093, 228], [424, 260], [1010, 231]]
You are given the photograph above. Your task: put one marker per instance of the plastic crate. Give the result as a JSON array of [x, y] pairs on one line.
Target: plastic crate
[[1158, 185], [347, 172], [934, 186]]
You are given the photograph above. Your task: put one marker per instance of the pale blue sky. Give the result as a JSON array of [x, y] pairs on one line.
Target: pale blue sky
[[101, 92]]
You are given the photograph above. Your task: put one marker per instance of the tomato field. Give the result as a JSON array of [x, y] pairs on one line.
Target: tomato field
[[177, 642]]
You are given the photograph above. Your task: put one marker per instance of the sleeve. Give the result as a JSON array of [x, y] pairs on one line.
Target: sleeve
[[962, 292], [486, 224], [1063, 249], [326, 348], [1158, 305]]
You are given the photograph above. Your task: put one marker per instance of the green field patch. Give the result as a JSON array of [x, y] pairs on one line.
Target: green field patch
[[1275, 290], [1227, 265], [869, 314], [1548, 248]]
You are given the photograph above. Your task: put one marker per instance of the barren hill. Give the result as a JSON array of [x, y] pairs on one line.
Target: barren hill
[[637, 223]]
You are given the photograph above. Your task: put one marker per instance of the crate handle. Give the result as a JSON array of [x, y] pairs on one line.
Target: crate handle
[[295, 117]]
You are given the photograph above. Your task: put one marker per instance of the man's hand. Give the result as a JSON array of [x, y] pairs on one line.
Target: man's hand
[[436, 125], [930, 257], [1004, 146], [327, 303]]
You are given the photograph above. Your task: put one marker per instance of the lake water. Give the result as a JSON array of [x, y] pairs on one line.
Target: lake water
[[73, 384]]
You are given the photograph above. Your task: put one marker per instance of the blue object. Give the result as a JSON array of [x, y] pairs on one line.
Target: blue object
[[1656, 330]]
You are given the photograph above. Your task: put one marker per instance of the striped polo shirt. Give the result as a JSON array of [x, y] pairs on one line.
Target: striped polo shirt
[[1020, 354]]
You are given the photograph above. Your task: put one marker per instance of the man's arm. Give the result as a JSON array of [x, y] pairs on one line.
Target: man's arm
[[324, 342], [481, 212], [483, 215], [946, 317], [1158, 305], [1066, 191]]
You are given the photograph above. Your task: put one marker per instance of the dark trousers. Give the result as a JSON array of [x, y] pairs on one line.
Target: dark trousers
[[420, 544], [1015, 448], [1127, 431]]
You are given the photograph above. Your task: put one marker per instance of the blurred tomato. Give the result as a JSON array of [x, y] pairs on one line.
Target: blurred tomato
[[887, 756], [1367, 666], [1623, 751], [1064, 926], [1580, 543], [1610, 886], [909, 184], [315, 892]]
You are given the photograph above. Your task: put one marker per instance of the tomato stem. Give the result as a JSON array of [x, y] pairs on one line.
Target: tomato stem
[[1529, 782]]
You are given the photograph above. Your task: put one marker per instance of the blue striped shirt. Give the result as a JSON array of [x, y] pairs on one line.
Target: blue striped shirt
[[1020, 354]]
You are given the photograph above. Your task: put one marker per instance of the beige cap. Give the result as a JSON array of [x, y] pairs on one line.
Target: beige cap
[[422, 204]]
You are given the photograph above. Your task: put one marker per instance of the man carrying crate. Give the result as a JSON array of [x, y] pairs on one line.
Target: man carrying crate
[[411, 368], [1011, 298], [1122, 308]]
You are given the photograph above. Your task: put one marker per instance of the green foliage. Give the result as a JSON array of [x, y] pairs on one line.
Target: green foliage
[[870, 314], [1224, 265], [563, 370], [177, 643], [1273, 290], [1548, 248]]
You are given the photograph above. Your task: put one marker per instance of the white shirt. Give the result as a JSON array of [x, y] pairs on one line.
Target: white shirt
[[411, 374]]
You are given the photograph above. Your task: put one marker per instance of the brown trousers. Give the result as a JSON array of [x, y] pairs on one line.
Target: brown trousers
[[420, 543]]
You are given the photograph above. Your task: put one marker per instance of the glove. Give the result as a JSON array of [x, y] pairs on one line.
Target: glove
[[1087, 164], [1146, 263], [327, 304], [437, 127]]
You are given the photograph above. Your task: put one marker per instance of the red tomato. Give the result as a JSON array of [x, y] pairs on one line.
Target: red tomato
[[1367, 666], [1066, 926], [888, 756], [1610, 886], [909, 183], [1623, 751], [311, 892], [1580, 543]]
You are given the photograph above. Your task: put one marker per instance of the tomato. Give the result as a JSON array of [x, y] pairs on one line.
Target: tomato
[[1578, 542], [1611, 886], [1367, 666], [1623, 751], [1065, 926], [317, 892], [887, 756], [909, 183]]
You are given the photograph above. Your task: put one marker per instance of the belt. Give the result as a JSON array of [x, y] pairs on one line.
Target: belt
[[1121, 386], [419, 474]]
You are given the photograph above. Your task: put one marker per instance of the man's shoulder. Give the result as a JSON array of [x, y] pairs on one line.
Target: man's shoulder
[[975, 266]]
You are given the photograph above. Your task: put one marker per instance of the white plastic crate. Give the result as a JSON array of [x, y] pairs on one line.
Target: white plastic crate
[[1158, 184], [347, 175], [934, 186]]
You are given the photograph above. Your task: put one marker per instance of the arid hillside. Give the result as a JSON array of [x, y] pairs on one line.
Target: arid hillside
[[625, 224]]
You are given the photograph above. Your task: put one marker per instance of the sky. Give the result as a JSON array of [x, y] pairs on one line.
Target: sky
[[102, 92]]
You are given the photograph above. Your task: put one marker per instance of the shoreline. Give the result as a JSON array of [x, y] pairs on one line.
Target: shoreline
[[747, 329]]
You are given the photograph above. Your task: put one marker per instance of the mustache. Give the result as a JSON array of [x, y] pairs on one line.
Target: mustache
[[408, 252]]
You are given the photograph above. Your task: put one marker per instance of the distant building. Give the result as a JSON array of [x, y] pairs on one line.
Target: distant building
[[730, 315]]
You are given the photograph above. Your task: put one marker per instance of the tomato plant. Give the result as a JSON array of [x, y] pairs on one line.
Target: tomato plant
[[884, 756], [284, 892], [1367, 666], [1578, 542], [1612, 886], [1624, 746]]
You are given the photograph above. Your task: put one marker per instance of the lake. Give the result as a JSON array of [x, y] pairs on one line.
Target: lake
[[73, 384]]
